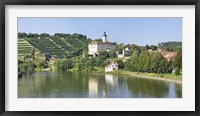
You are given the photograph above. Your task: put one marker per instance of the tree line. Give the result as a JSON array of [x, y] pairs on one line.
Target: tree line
[[139, 61], [170, 46], [87, 63], [154, 62], [64, 35]]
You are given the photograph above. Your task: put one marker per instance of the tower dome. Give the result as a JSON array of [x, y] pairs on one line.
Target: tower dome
[[104, 38]]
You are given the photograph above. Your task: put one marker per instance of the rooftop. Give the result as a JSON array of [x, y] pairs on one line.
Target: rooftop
[[99, 42], [168, 55]]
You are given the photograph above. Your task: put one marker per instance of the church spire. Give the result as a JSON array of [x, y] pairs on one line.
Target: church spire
[[105, 34], [104, 38]]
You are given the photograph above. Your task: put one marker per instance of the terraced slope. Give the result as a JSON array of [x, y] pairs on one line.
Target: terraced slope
[[47, 47], [59, 41], [24, 48], [55, 46], [73, 41]]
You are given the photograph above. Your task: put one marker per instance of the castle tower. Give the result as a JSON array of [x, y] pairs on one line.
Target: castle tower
[[104, 38]]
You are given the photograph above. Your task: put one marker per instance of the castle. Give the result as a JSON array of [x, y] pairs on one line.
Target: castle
[[96, 46]]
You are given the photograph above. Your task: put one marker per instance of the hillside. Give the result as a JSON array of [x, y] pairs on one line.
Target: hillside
[[58, 46], [24, 48]]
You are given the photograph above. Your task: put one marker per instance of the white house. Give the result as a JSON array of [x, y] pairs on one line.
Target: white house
[[125, 54], [96, 46], [111, 66]]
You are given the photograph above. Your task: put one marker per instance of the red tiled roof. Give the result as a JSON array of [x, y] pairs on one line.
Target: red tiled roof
[[165, 54], [168, 55]]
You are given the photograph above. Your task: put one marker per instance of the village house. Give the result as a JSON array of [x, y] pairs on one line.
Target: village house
[[111, 66], [52, 61], [125, 53], [96, 46], [168, 55]]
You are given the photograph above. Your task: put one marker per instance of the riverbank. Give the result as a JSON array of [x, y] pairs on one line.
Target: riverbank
[[164, 77]]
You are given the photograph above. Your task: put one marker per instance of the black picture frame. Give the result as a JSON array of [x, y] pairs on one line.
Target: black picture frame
[[99, 2]]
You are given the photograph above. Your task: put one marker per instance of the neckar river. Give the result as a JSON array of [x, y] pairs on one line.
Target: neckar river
[[87, 85]]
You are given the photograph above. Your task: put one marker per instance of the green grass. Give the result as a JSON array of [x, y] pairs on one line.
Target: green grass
[[94, 70], [164, 76]]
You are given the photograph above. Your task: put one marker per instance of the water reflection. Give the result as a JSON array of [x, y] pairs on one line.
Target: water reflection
[[93, 87], [85, 85], [149, 88]]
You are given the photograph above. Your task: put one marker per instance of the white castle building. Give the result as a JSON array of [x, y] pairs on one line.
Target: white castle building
[[96, 46]]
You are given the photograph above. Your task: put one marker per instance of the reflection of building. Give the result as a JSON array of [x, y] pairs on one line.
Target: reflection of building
[[93, 87], [103, 86], [171, 90], [111, 80], [111, 66], [96, 46]]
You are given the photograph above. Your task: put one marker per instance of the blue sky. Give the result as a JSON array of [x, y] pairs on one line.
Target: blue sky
[[139, 31]]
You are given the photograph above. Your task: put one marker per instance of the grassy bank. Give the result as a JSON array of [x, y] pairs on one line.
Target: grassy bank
[[167, 77], [164, 77], [92, 70]]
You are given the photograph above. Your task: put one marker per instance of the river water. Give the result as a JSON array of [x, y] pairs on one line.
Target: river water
[[90, 85]]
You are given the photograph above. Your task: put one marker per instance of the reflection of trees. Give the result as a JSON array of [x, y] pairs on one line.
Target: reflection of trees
[[25, 84], [178, 90], [66, 83], [147, 87], [77, 84], [60, 85]]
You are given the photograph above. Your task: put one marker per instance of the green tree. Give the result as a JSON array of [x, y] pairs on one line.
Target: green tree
[[153, 47], [104, 54], [144, 61], [120, 63], [112, 54], [177, 63], [44, 35], [22, 35], [147, 47], [132, 63]]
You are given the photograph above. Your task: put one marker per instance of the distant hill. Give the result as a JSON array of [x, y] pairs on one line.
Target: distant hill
[[58, 45]]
